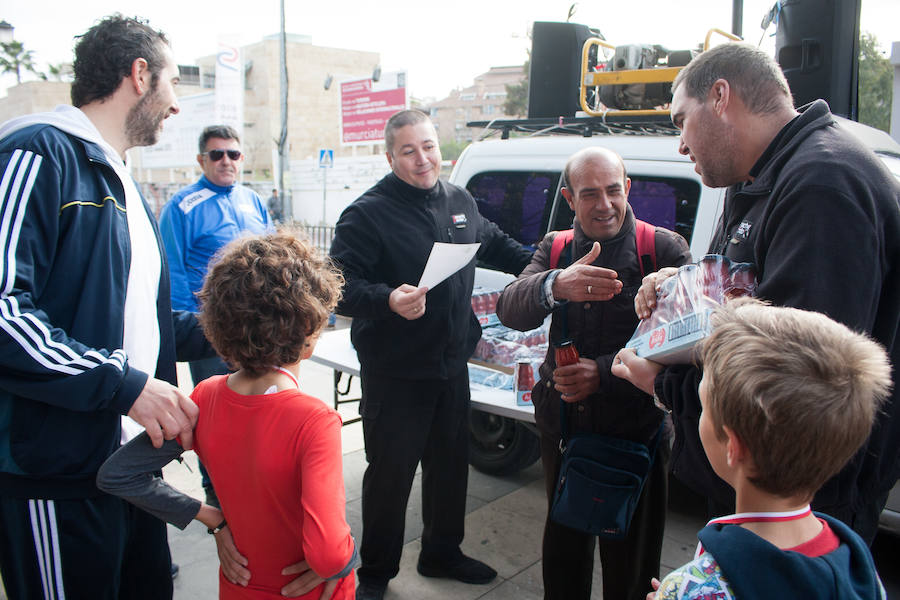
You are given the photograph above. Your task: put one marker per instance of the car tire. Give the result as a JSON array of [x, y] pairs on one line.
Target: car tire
[[500, 445]]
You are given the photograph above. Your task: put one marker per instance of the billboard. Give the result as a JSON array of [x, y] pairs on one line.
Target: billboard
[[366, 105]]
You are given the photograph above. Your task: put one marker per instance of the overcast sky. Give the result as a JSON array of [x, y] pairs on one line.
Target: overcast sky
[[441, 44]]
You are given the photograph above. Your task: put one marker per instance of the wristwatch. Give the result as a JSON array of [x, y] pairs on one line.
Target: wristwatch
[[217, 528]]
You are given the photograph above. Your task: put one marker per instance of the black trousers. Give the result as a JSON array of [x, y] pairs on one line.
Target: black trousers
[[628, 564], [99, 548], [405, 422]]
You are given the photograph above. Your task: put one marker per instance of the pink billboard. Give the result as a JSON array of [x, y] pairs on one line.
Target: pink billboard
[[366, 106]]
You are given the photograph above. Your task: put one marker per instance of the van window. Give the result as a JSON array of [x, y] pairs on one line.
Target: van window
[[519, 202], [666, 202]]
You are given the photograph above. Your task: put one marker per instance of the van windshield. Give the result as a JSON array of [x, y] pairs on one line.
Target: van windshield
[[520, 202]]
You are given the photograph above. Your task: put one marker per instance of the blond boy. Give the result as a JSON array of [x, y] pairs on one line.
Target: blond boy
[[788, 397]]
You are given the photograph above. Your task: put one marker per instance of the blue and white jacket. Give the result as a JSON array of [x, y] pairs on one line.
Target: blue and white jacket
[[196, 223], [64, 378]]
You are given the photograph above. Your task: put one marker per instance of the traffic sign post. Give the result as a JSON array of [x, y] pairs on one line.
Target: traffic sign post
[[326, 161]]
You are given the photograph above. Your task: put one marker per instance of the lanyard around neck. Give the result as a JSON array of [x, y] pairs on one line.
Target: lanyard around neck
[[290, 375], [763, 517], [758, 517]]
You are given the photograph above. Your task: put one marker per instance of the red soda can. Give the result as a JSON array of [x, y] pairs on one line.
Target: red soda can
[[742, 282], [478, 304], [493, 297]]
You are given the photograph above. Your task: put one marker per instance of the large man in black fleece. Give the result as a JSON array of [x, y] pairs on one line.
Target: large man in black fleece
[[592, 304], [413, 345], [817, 213]]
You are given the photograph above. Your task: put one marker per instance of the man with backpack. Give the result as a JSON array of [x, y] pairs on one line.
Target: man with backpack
[[587, 278]]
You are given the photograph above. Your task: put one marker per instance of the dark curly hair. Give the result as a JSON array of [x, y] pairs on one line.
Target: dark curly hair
[[264, 297], [105, 52]]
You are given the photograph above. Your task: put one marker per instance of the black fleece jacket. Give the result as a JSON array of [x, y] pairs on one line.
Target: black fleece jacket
[[382, 241], [821, 223]]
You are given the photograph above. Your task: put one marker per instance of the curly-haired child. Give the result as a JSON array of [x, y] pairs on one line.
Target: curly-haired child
[[273, 452]]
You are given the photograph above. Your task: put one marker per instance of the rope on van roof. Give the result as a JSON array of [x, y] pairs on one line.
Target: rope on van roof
[[608, 124]]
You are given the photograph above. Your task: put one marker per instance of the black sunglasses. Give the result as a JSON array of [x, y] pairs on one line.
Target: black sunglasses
[[216, 155]]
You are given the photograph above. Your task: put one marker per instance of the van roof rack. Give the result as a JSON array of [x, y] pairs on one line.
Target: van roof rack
[[614, 122]]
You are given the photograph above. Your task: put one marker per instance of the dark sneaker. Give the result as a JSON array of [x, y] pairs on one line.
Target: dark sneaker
[[367, 590], [467, 570]]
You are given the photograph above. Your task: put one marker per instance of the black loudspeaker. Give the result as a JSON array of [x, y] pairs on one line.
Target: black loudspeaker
[[555, 72], [817, 46]]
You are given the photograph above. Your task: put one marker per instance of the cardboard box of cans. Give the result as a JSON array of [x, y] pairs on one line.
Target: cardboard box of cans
[[684, 305], [505, 358], [500, 354], [484, 305]]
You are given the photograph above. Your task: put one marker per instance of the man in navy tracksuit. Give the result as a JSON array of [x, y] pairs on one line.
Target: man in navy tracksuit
[[413, 345], [87, 334]]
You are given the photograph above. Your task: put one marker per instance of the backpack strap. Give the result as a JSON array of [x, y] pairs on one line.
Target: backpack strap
[[560, 241], [645, 238]]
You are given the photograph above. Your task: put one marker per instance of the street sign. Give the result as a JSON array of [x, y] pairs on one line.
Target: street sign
[[326, 158]]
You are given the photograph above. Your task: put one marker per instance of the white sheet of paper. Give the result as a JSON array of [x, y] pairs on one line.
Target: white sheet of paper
[[445, 260]]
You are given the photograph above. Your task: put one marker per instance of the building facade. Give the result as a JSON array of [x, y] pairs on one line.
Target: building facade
[[481, 101]]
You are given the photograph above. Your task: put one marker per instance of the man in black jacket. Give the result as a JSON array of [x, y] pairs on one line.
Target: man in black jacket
[[591, 300], [817, 213], [413, 345]]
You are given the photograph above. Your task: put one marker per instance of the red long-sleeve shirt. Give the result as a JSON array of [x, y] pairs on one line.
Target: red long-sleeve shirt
[[275, 462]]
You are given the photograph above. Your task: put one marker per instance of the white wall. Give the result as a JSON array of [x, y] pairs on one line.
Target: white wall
[[346, 181]]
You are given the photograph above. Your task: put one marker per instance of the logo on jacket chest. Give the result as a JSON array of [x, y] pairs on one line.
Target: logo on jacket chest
[[189, 202], [459, 221], [742, 232]]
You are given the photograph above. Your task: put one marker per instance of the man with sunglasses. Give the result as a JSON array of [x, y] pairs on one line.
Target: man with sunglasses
[[199, 220]]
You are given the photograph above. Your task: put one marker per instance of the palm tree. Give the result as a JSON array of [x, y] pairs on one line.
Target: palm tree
[[14, 58], [59, 71]]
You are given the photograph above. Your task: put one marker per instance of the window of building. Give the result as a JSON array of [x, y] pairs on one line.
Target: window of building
[[189, 74], [467, 97]]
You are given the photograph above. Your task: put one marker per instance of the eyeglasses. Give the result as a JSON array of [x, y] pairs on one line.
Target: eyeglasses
[[217, 155]]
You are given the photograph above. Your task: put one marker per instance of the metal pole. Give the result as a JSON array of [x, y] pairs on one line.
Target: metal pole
[[324, 192], [283, 150], [737, 17]]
